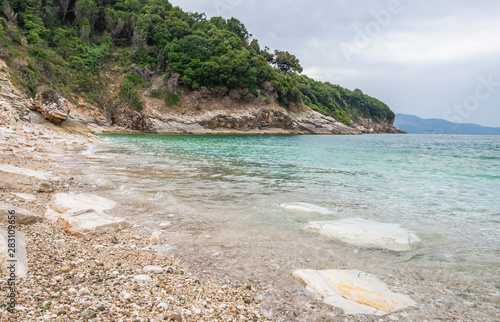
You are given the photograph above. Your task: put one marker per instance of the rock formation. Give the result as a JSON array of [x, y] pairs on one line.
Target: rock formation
[[52, 106]]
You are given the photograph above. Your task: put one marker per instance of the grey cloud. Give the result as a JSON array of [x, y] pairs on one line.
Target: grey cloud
[[425, 61]]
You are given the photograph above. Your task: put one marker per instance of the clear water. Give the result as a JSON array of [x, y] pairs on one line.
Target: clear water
[[222, 195]]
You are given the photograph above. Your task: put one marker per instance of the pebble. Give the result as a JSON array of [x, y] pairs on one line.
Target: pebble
[[163, 305], [58, 278], [114, 240], [88, 314], [65, 269], [165, 224], [84, 291], [72, 290], [125, 295], [142, 278], [240, 307], [153, 269]]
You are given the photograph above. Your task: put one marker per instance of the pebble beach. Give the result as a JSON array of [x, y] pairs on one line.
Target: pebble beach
[[115, 276]]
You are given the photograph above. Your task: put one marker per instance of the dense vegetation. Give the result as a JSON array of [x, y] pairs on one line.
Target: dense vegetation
[[70, 44]]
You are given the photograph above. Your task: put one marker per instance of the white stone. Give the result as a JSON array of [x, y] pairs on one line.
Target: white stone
[[240, 307], [196, 310], [142, 278], [72, 290], [306, 208], [91, 223], [58, 278], [366, 233], [165, 224], [124, 295], [84, 291], [21, 262], [153, 269], [163, 305], [64, 202], [26, 197], [353, 291], [22, 216], [18, 178], [83, 215]]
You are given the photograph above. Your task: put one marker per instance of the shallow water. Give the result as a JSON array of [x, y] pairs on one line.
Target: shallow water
[[222, 194]]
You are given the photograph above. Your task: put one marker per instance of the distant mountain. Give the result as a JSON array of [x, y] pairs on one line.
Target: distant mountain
[[415, 124]]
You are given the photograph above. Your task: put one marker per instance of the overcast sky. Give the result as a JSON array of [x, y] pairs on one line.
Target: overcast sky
[[433, 59]]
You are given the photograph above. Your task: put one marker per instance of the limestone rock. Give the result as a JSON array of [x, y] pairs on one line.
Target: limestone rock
[[7, 92], [21, 264], [19, 178], [64, 202], [26, 197], [89, 224], [83, 215], [22, 216], [353, 291], [52, 106], [366, 233]]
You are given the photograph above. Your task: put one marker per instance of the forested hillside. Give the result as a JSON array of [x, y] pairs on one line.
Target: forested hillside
[[70, 45]]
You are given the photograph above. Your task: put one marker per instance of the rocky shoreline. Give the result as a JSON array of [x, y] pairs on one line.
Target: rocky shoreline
[[118, 274], [107, 275]]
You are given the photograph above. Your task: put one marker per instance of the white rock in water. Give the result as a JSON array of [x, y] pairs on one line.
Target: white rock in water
[[353, 291], [306, 207], [153, 269], [366, 233], [21, 265], [142, 278]]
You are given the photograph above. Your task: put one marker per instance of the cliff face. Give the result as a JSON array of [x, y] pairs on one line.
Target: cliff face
[[367, 125], [200, 113]]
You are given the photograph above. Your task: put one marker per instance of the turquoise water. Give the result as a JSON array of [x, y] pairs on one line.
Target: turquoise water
[[222, 194]]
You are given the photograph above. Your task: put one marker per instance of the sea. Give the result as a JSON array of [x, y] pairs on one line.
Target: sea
[[221, 204]]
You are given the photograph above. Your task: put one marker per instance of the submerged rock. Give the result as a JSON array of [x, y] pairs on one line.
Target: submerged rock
[[353, 291], [306, 207], [366, 233]]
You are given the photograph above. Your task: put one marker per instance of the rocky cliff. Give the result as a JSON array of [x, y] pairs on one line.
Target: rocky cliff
[[200, 113]]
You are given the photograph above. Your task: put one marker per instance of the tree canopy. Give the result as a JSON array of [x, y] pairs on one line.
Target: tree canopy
[[69, 44]]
